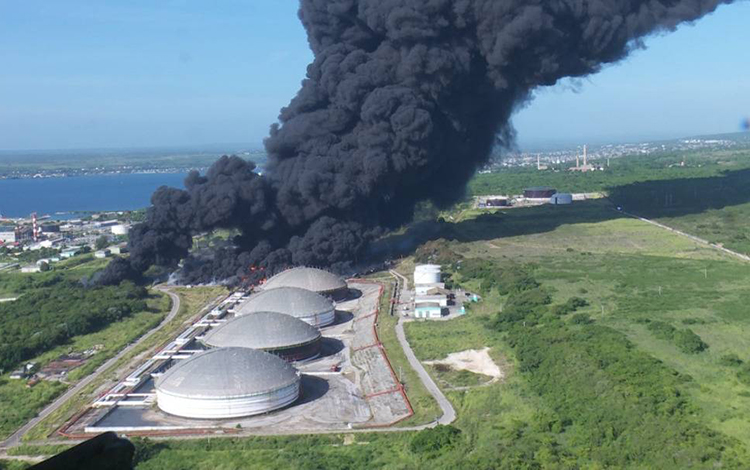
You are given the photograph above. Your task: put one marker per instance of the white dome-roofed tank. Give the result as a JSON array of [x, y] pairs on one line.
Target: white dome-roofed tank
[[277, 333], [227, 383], [561, 198], [427, 274], [313, 279], [308, 306]]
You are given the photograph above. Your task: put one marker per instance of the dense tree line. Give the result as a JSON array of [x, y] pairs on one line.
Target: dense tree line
[[58, 309], [606, 401]]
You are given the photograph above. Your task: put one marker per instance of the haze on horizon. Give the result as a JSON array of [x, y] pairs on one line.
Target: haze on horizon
[[79, 75]]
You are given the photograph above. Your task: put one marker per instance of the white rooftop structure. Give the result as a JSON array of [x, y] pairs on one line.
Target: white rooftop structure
[[313, 279], [227, 383], [308, 306], [277, 333]]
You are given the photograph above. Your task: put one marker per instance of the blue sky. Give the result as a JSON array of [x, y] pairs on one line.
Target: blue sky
[[83, 74]]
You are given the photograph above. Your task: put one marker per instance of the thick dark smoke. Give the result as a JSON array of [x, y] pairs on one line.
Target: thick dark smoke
[[403, 102]]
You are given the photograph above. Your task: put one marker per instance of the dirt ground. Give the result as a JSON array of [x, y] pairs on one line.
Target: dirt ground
[[473, 360]]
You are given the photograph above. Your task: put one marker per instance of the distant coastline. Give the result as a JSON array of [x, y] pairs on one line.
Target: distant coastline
[[80, 173]]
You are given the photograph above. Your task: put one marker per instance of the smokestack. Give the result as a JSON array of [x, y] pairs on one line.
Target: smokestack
[[578, 162], [34, 227], [403, 102], [584, 155]]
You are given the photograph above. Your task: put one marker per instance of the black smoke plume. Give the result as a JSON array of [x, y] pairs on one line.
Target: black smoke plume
[[404, 101]]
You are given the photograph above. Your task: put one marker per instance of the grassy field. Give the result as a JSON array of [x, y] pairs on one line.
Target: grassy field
[[192, 301]]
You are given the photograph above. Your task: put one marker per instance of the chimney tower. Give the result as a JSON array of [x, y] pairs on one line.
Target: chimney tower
[[585, 150], [34, 227]]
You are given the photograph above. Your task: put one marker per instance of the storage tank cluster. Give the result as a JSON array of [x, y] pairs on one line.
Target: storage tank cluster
[[247, 369]]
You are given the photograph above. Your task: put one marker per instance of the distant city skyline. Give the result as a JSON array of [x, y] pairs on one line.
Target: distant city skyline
[[81, 75]]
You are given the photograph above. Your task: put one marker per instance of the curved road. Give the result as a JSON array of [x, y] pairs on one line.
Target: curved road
[[449, 413], [15, 439]]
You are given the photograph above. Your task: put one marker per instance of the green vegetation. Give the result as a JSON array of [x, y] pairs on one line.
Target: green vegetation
[[50, 316], [449, 378], [622, 172], [19, 403], [13, 465], [685, 339], [707, 197]]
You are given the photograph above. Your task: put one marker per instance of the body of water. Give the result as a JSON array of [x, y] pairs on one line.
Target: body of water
[[48, 196]]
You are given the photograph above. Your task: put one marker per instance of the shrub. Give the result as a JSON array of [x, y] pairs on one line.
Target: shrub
[[434, 439], [730, 360], [573, 304], [580, 319], [743, 375], [661, 330], [689, 342]]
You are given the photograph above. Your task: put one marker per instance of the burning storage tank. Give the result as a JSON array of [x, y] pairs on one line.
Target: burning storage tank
[[313, 279], [285, 336], [311, 308], [227, 383], [539, 192]]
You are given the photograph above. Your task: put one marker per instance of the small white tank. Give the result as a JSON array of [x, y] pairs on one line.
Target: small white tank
[[427, 274]]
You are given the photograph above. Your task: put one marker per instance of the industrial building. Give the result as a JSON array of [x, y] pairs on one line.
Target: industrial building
[[227, 383], [287, 337], [428, 310], [539, 192], [561, 199], [120, 229], [308, 306], [440, 299], [8, 233], [312, 279]]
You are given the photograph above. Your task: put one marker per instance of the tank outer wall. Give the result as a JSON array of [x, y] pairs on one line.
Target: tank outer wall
[[299, 353], [228, 407]]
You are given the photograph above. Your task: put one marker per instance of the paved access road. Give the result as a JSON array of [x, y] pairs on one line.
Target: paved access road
[[15, 439], [449, 413]]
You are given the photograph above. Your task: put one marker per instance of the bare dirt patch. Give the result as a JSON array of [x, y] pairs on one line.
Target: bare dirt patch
[[472, 360]]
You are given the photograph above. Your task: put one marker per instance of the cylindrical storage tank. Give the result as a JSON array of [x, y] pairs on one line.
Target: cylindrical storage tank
[[227, 383], [427, 274], [282, 335], [539, 192], [561, 198], [311, 308], [313, 279]]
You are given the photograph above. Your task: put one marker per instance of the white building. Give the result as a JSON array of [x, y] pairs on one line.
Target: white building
[[31, 268], [102, 253], [120, 229], [440, 299], [8, 234], [428, 310]]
